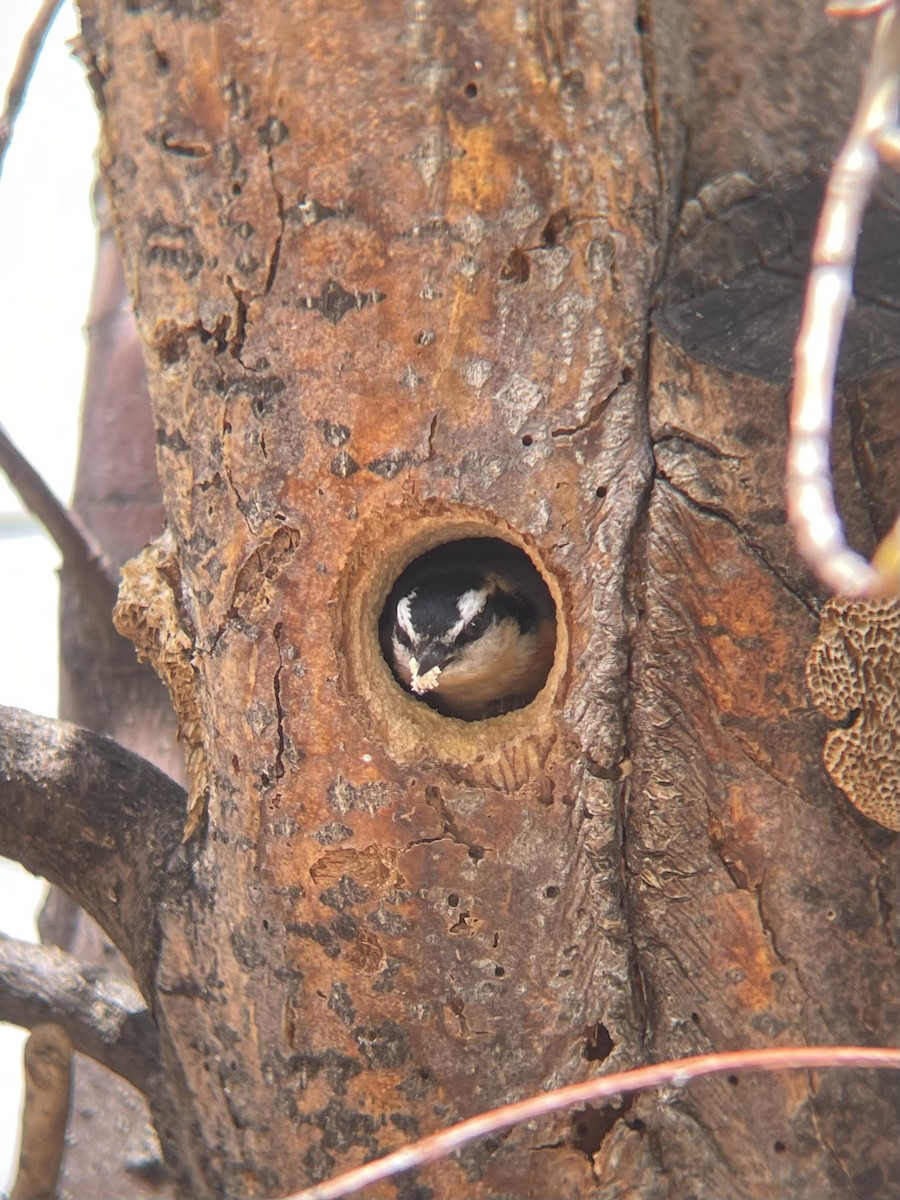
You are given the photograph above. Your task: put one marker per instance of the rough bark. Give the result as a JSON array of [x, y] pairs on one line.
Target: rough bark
[[394, 278]]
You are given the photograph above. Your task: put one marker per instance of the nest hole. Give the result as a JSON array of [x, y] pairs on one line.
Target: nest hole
[[469, 628], [390, 551]]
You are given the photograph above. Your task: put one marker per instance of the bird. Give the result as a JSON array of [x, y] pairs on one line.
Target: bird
[[470, 628]]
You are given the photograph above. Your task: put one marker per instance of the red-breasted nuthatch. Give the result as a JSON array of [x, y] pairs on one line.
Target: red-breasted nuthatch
[[470, 628]]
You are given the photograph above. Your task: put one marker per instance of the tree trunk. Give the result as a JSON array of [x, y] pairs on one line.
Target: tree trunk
[[394, 273]]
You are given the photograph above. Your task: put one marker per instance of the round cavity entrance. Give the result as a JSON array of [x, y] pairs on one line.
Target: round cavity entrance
[[469, 628], [387, 546]]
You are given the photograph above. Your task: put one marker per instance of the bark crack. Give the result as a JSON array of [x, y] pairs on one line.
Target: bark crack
[[596, 411], [769, 930], [236, 342], [429, 841], [767, 768], [275, 254], [435, 801], [635, 558], [629, 920], [675, 434], [278, 770], [226, 466], [431, 432], [721, 514]]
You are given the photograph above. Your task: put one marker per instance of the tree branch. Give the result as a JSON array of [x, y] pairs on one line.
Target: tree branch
[[28, 56], [81, 554], [104, 1016], [95, 819]]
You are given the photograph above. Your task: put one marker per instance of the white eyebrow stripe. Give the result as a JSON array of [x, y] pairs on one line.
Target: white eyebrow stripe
[[470, 604], [404, 616], [453, 633]]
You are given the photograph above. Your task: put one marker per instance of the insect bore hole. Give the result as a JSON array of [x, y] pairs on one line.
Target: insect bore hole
[[469, 628]]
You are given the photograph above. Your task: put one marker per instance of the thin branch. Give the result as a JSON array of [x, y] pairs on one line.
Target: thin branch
[[677, 1074], [18, 84], [856, 8], [810, 494], [102, 823], [104, 1016], [45, 1114], [80, 552]]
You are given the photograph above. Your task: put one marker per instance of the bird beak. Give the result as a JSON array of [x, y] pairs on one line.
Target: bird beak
[[425, 671]]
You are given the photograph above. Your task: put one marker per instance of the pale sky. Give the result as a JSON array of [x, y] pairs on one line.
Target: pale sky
[[47, 254]]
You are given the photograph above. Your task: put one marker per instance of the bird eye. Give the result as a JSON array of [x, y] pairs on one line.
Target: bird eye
[[473, 630]]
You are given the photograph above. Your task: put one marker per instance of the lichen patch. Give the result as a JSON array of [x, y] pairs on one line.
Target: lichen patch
[[853, 675]]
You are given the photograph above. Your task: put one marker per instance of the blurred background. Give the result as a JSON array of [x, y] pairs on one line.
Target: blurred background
[[47, 246]]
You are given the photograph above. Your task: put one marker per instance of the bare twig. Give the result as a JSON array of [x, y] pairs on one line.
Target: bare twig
[[678, 1074], [856, 8], [99, 821], [105, 1017], [28, 56], [810, 496], [45, 1115], [79, 550]]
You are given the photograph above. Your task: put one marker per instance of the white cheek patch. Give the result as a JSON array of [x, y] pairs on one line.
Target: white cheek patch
[[470, 604], [404, 616]]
